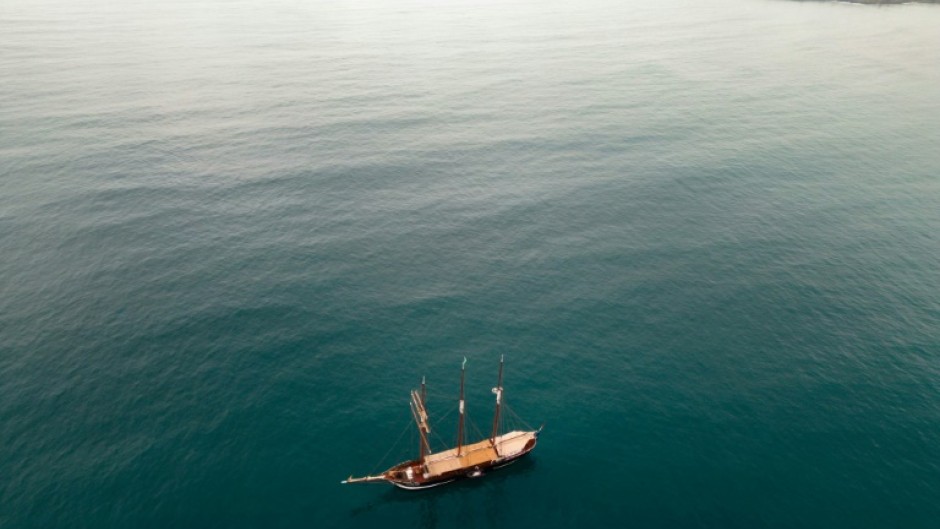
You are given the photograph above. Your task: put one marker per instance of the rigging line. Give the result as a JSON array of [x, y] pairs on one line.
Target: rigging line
[[446, 415], [474, 426], [478, 432], [402, 434], [517, 417], [434, 430], [438, 437]]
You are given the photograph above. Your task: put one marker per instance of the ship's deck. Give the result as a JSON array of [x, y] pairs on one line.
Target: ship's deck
[[479, 453]]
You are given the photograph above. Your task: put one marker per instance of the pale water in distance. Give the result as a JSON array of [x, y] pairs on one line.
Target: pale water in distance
[[234, 235]]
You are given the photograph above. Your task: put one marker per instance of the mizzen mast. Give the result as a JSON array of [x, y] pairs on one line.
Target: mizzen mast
[[498, 390], [463, 371]]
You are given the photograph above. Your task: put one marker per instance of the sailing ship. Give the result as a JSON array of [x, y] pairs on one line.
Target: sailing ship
[[464, 460]]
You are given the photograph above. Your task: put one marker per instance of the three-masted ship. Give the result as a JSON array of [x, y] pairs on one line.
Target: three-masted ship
[[464, 460]]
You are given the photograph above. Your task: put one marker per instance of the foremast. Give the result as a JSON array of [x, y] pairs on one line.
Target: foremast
[[420, 414]]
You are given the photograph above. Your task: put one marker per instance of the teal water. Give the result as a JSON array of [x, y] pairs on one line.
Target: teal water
[[233, 235]]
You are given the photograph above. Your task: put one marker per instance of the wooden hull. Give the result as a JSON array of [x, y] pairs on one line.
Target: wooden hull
[[411, 486]]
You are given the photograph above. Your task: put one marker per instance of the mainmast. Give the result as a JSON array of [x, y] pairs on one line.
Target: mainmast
[[498, 390], [463, 370], [420, 415]]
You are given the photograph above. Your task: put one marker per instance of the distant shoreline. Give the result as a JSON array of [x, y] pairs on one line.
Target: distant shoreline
[[881, 2]]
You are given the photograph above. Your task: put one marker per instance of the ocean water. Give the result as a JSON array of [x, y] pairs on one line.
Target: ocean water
[[234, 235]]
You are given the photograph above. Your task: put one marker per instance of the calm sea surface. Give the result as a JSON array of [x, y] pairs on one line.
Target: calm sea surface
[[233, 235]]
